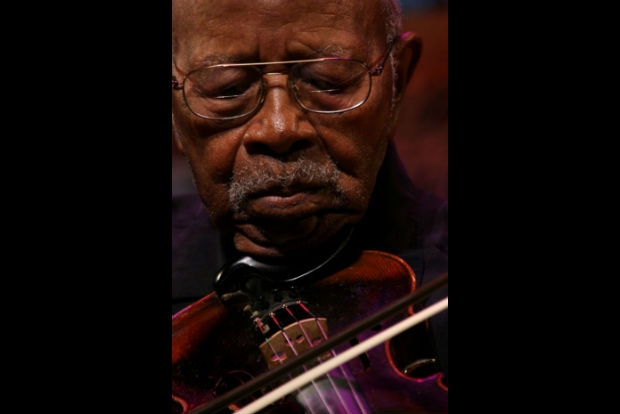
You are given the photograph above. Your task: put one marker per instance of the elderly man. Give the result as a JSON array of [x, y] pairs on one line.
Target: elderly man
[[285, 111]]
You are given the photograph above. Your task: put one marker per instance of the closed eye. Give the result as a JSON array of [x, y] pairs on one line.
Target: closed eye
[[326, 91], [229, 95]]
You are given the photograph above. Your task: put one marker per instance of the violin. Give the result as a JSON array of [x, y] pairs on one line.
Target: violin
[[263, 318]]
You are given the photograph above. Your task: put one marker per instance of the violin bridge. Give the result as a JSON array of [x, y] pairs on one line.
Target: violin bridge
[[294, 339]]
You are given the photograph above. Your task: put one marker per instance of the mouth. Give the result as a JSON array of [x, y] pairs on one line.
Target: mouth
[[282, 198], [283, 203]]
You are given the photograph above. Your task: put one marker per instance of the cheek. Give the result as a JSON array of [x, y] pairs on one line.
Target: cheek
[[210, 151], [211, 155], [212, 162], [357, 140]]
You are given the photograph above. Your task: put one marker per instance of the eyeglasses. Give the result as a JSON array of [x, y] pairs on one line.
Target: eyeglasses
[[234, 90]]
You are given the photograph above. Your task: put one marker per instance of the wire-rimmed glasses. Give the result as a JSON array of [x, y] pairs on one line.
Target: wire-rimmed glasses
[[230, 91]]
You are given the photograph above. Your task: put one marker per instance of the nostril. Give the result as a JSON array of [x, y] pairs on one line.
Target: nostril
[[300, 145], [277, 150], [259, 148]]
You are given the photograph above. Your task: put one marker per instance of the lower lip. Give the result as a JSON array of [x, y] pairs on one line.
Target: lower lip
[[282, 202]]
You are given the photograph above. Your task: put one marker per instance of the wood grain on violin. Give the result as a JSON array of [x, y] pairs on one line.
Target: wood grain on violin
[[224, 340]]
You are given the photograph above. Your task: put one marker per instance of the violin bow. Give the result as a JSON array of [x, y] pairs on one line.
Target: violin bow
[[417, 296]]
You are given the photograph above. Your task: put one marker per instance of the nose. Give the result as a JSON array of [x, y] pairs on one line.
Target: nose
[[280, 127]]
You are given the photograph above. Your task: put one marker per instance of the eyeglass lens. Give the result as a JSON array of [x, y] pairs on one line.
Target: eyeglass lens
[[324, 86]]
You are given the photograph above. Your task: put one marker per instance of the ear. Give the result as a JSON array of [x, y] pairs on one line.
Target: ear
[[408, 50]]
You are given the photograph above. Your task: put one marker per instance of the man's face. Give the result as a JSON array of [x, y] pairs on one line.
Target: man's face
[[284, 180]]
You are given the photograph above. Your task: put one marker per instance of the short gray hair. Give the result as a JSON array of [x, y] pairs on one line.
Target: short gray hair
[[393, 16], [393, 27]]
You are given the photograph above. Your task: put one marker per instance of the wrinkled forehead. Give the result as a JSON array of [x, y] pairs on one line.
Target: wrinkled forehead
[[215, 31]]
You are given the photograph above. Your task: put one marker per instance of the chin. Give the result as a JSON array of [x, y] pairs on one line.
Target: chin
[[249, 248], [270, 252], [298, 240]]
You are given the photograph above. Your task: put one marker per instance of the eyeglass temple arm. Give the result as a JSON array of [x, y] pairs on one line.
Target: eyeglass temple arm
[[379, 68], [175, 84]]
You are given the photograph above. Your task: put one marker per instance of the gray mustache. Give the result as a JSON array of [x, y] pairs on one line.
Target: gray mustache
[[282, 176]]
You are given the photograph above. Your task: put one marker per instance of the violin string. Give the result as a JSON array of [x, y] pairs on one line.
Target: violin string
[[309, 340], [333, 352], [288, 340], [260, 326]]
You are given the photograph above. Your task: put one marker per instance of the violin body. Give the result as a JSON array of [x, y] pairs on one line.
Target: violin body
[[222, 341]]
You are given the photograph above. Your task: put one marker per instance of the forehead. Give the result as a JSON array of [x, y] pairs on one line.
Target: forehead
[[207, 31]]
